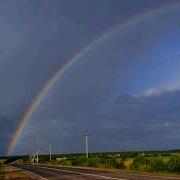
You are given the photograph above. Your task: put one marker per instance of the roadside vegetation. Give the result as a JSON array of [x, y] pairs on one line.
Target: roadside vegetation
[[161, 162], [157, 164], [93, 161], [1, 168]]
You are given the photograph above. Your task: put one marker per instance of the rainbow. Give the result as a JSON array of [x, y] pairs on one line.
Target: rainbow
[[72, 61]]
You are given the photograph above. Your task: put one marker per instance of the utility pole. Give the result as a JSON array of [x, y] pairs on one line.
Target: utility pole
[[86, 134], [37, 157], [50, 153]]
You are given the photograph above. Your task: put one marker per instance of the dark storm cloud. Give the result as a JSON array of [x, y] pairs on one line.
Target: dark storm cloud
[[131, 123], [37, 38], [82, 99]]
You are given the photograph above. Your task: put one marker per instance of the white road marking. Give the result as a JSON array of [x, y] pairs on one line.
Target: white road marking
[[81, 173]]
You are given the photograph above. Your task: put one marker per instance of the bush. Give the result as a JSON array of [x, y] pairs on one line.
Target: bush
[[64, 162], [79, 161], [119, 164], [139, 162], [94, 162], [157, 165], [174, 164]]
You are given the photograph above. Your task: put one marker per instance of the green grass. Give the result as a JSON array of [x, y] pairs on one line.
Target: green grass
[[1, 171], [2, 161], [1, 174]]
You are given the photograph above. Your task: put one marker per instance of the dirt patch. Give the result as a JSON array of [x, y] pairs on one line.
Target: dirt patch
[[12, 173]]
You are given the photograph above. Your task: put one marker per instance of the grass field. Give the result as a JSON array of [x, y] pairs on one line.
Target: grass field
[[1, 175], [1, 169]]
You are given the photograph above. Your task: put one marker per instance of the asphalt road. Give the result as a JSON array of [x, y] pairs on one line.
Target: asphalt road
[[41, 172]]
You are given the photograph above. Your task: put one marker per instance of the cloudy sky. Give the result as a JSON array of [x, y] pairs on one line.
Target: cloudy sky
[[124, 90]]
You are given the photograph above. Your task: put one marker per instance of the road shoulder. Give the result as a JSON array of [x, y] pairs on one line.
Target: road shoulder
[[115, 171]]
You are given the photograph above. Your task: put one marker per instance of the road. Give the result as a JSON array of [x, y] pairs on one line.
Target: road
[[42, 172]]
